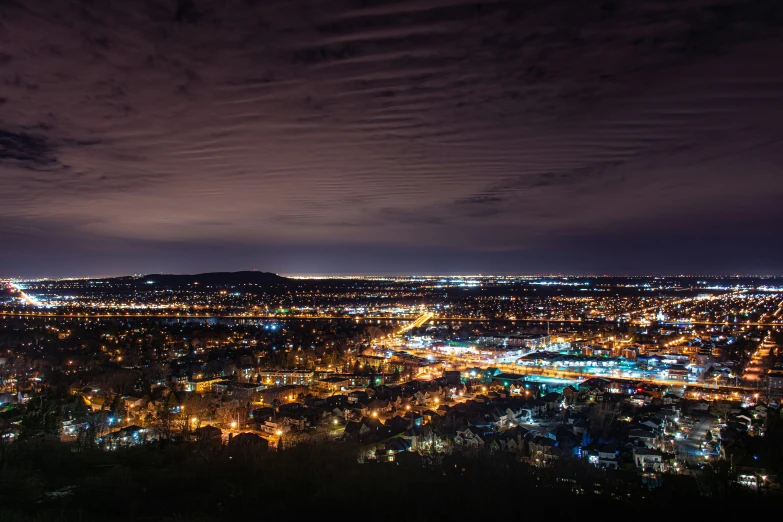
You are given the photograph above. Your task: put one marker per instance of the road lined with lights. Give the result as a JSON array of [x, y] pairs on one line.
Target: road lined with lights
[[78, 315], [26, 298], [5, 313], [420, 321]]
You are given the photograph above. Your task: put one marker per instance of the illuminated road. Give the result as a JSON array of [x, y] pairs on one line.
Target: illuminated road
[[16, 290], [648, 309], [691, 446], [715, 323], [779, 310], [417, 322], [420, 321], [431, 317], [587, 321], [79, 315]]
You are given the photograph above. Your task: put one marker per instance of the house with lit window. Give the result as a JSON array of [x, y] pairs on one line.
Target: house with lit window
[[334, 384], [202, 385], [244, 390], [286, 377], [647, 459], [603, 456], [542, 450], [467, 439]]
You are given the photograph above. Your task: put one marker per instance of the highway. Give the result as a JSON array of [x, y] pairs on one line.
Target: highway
[[159, 315], [420, 321], [719, 323], [17, 291], [170, 315], [579, 320]]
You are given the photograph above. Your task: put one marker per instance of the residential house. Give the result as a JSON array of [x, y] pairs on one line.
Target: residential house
[[542, 450], [467, 439], [301, 377], [647, 438], [334, 384], [603, 456], [649, 460]]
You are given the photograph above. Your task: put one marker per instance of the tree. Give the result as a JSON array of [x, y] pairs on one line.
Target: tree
[[165, 416], [79, 411], [722, 410], [117, 407], [374, 334], [120, 381], [227, 415], [43, 417], [602, 416], [197, 408], [86, 439], [586, 439]]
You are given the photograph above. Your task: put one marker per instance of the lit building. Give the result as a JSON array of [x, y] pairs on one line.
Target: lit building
[[286, 377]]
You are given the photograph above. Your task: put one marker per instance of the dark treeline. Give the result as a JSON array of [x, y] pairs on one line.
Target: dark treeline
[[202, 482]]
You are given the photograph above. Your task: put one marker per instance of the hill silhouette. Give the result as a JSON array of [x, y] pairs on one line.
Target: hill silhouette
[[212, 279]]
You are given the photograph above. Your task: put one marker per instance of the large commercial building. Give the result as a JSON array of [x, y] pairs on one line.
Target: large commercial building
[[531, 342], [286, 377]]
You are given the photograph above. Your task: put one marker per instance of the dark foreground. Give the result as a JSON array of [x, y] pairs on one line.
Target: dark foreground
[[202, 483]]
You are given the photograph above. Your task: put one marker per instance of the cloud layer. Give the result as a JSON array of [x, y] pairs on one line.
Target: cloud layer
[[390, 136]]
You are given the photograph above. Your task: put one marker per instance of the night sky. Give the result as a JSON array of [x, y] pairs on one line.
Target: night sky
[[377, 136]]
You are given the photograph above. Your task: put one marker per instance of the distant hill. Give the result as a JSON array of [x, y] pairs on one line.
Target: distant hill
[[213, 279]]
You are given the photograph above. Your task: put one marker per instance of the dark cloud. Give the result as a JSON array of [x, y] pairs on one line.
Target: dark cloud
[[408, 134], [479, 200], [27, 151]]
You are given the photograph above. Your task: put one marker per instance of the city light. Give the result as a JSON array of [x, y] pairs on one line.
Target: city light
[[387, 360], [390, 259]]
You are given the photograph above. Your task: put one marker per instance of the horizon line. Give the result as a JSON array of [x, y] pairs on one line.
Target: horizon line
[[404, 275]]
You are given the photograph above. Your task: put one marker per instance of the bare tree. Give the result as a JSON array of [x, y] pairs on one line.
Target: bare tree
[[721, 409], [165, 417], [374, 333], [195, 409], [602, 415]]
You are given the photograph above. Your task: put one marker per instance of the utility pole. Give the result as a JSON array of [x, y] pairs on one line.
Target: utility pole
[[548, 339]]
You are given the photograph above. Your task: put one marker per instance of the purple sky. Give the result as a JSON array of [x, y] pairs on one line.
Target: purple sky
[[369, 136]]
